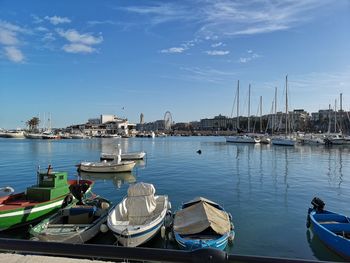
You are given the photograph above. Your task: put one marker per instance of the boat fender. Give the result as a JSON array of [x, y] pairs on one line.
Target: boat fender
[[104, 205], [162, 232], [170, 236], [104, 228], [308, 219], [318, 204], [231, 237], [67, 201]]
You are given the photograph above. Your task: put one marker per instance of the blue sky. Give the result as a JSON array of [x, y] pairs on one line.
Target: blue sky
[[79, 59]]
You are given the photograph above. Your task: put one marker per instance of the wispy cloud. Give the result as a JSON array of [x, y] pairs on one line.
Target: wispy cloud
[[74, 36], [161, 12], [224, 18], [78, 48], [217, 52], [219, 44], [9, 40], [55, 20], [104, 22], [14, 54], [249, 57], [79, 43], [173, 50], [207, 74]]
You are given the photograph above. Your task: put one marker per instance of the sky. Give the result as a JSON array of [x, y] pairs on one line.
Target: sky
[[75, 60]]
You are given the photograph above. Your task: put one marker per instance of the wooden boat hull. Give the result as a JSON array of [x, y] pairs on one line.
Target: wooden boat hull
[[219, 243], [21, 213], [332, 229], [106, 167], [77, 233]]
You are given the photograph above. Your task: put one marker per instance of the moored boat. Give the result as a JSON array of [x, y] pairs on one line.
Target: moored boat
[[47, 196], [124, 156], [106, 167], [332, 229], [242, 139], [139, 216], [202, 223], [74, 224]]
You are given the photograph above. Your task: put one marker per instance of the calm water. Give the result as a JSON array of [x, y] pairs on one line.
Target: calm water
[[267, 189]]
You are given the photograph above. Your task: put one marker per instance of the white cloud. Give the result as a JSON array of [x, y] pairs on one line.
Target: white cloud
[[41, 29], [55, 20], [78, 48], [14, 54], [8, 37], [36, 19], [217, 52], [223, 18], [173, 50], [250, 56], [75, 37], [49, 37], [217, 44], [208, 74]]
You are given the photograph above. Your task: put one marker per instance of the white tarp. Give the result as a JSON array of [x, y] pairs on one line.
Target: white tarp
[[198, 217], [140, 203]]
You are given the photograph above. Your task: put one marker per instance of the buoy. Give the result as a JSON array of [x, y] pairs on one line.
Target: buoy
[[104, 205], [162, 232], [199, 151], [104, 228]]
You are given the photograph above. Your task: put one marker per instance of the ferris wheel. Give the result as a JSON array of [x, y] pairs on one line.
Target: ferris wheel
[[168, 120]]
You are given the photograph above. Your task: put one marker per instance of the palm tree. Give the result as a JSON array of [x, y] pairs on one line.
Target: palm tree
[[33, 123]]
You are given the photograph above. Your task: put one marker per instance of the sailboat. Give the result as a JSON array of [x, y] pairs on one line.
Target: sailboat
[[241, 138], [285, 140]]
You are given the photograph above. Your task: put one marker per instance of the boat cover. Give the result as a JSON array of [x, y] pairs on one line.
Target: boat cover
[[198, 217], [140, 203]]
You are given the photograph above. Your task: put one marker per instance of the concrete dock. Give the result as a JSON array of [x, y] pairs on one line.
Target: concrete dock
[[17, 258]]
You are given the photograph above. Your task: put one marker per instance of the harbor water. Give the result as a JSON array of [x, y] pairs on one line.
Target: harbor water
[[266, 188]]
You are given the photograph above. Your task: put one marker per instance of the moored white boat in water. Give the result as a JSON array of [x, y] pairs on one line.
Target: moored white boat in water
[[242, 139], [139, 216], [124, 156], [283, 141], [106, 167]]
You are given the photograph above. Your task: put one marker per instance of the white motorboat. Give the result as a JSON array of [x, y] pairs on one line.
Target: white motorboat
[[242, 139], [139, 216], [33, 135], [13, 134], [312, 140], [124, 156]]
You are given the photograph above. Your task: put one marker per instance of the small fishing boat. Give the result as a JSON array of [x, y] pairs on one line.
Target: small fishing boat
[[202, 223], [124, 156], [75, 224], [115, 166], [51, 192], [106, 167], [331, 228], [139, 216]]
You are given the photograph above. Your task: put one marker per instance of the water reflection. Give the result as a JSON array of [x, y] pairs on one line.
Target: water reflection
[[118, 179], [319, 250]]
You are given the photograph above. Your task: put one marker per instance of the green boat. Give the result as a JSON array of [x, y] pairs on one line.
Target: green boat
[[50, 194]]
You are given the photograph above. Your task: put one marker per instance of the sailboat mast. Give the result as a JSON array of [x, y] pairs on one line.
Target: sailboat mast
[[341, 112], [275, 119], [249, 109], [238, 105], [286, 105], [335, 115], [260, 113], [329, 119]]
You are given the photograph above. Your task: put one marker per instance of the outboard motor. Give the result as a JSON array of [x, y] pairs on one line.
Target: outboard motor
[[318, 204]]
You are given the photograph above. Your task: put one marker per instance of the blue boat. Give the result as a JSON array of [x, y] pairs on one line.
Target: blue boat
[[202, 223], [331, 228]]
